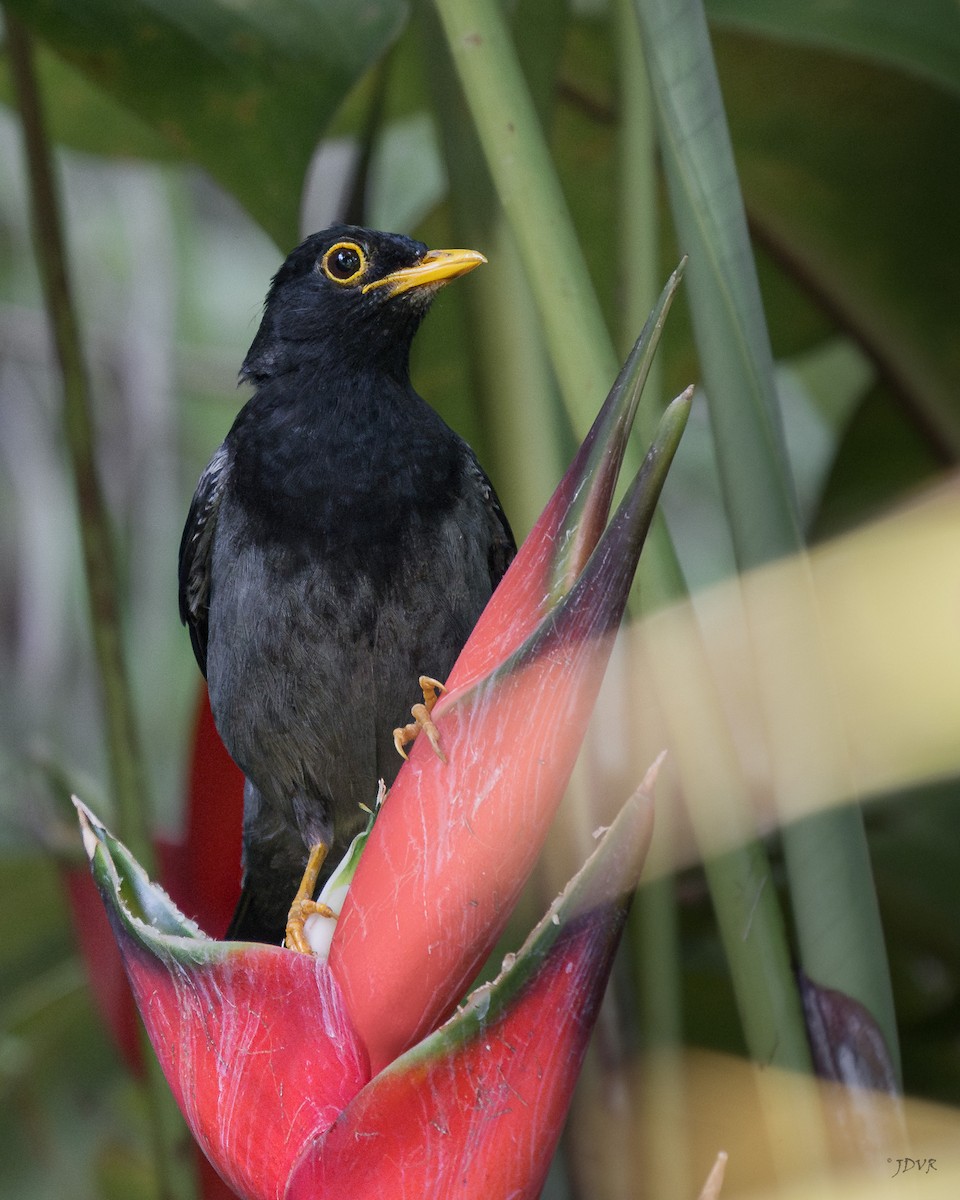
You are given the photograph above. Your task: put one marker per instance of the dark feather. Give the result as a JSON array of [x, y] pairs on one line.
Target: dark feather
[[342, 541], [195, 549]]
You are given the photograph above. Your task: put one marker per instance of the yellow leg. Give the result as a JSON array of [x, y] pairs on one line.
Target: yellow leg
[[422, 721], [304, 904]]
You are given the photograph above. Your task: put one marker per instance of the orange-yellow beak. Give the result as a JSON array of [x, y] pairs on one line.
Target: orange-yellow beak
[[436, 268]]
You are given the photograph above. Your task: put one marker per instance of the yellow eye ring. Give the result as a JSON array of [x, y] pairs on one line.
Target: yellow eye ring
[[344, 263]]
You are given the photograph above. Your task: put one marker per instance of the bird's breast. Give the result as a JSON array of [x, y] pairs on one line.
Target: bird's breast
[[314, 654], [360, 500]]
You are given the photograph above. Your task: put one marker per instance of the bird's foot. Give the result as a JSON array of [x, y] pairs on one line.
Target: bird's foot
[[422, 721], [304, 905], [296, 938]]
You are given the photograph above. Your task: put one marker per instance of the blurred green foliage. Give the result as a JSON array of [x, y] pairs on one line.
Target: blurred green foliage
[[195, 140]]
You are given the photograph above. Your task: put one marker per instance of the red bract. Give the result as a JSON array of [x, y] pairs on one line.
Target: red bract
[[556, 549], [424, 911], [258, 1050], [476, 1109], [416, 926], [254, 1040], [209, 884], [297, 1075], [272, 1078]]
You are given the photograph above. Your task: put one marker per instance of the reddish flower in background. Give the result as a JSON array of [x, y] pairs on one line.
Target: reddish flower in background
[[304, 1077], [275, 1082], [202, 883]]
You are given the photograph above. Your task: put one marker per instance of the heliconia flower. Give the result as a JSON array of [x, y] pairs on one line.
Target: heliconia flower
[[274, 1081], [555, 551], [254, 1040], [416, 925], [348, 1076], [475, 1110]]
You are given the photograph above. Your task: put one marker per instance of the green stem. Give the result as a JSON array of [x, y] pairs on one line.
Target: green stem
[[354, 209], [166, 1127], [742, 888], [724, 294], [508, 357], [584, 360], [738, 872], [831, 884], [639, 232], [653, 925], [509, 130]]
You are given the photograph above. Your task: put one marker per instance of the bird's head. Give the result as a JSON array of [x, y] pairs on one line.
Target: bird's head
[[349, 297]]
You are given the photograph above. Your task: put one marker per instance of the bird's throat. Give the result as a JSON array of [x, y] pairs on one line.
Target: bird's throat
[[343, 470]]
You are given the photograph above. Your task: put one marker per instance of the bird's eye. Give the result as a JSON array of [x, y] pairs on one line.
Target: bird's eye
[[344, 263]]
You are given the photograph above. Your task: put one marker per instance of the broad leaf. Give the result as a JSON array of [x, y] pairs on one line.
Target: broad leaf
[[244, 90], [922, 38]]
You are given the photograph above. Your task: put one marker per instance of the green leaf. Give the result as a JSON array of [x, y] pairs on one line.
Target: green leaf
[[84, 117], [816, 164], [839, 932], [922, 38], [724, 292], [882, 455], [243, 90]]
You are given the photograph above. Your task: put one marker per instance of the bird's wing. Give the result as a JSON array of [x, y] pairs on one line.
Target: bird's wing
[[503, 546], [195, 551]]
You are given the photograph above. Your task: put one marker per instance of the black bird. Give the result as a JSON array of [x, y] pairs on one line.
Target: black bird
[[342, 541]]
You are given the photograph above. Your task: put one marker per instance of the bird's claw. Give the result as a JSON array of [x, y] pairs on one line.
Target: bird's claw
[[296, 938], [422, 721], [304, 905]]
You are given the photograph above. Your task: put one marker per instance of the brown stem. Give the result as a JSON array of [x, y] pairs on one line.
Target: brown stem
[[126, 770], [126, 774]]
